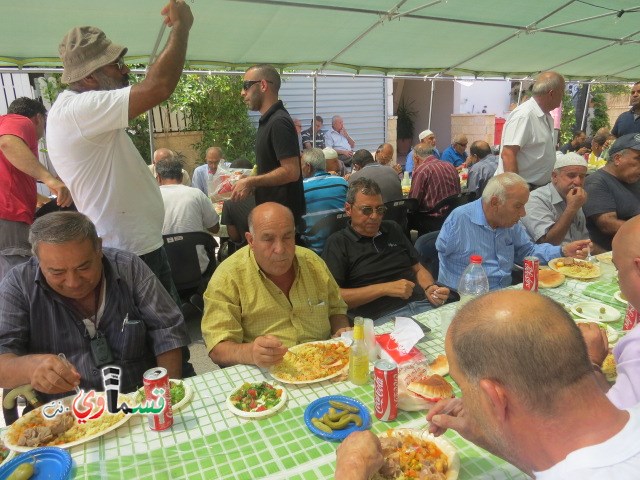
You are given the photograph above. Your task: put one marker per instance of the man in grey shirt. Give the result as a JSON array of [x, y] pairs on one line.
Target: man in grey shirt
[[96, 306], [554, 211], [484, 165], [614, 191], [387, 178]]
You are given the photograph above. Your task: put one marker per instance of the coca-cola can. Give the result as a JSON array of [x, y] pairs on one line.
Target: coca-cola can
[[631, 318], [385, 390], [530, 276], [154, 380]]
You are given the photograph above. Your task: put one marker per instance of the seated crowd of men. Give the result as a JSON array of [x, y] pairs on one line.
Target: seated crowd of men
[[98, 287]]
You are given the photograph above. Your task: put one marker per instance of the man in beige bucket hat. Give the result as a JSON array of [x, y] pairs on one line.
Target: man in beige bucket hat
[[90, 149]]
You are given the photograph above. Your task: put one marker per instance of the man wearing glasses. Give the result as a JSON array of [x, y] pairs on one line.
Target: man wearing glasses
[[456, 152], [375, 264], [90, 149], [279, 177]]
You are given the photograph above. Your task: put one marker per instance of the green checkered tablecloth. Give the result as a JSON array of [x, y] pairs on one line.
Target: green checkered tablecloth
[[207, 441]]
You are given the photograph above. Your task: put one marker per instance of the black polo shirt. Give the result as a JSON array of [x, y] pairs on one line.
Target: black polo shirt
[[357, 261], [277, 139]]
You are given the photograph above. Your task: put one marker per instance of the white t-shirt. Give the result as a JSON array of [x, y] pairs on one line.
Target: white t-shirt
[[107, 177], [532, 130], [187, 209], [617, 458]]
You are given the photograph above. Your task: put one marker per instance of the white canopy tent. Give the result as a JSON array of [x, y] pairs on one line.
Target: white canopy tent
[[587, 40]]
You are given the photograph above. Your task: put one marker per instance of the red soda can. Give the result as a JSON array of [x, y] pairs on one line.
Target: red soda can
[[631, 318], [155, 379], [385, 390], [530, 276]]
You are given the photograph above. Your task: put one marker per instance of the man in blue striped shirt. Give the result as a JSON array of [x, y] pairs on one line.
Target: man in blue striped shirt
[[490, 227], [323, 194], [97, 306]]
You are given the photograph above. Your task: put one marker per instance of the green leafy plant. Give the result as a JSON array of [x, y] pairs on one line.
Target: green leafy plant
[[567, 120], [600, 116], [214, 106], [406, 118]]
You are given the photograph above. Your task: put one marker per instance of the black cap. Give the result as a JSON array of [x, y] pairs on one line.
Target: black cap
[[630, 140]]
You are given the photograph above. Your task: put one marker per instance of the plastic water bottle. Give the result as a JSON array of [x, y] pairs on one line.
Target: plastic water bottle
[[405, 183], [473, 281]]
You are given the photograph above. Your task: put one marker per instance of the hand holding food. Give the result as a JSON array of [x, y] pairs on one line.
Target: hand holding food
[[576, 197], [453, 418], [577, 249], [360, 452], [267, 350], [596, 340], [54, 375]]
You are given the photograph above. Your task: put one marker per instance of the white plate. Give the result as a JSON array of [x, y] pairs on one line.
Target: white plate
[[67, 401], [612, 334], [618, 296], [606, 257], [264, 413], [442, 443], [316, 380], [188, 395], [552, 265], [592, 310]]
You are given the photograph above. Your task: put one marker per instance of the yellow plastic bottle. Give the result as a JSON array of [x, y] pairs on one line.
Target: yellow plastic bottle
[[359, 356]]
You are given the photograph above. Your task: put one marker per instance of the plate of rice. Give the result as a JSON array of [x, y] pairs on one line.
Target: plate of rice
[[313, 362], [64, 430]]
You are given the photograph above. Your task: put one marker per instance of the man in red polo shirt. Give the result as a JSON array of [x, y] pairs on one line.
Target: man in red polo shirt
[[20, 130]]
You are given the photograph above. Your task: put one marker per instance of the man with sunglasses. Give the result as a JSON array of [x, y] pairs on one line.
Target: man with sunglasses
[[90, 149], [456, 152], [279, 176], [375, 264]]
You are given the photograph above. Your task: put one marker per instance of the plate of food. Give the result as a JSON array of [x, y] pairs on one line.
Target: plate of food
[[574, 268], [410, 453], [606, 257], [595, 310], [5, 453], [612, 334], [49, 463], [619, 296], [548, 278], [312, 362], [43, 427], [336, 416], [181, 394], [256, 400]]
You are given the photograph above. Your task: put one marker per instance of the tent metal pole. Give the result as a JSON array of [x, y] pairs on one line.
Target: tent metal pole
[[152, 59], [315, 112], [520, 93], [433, 87], [586, 108]]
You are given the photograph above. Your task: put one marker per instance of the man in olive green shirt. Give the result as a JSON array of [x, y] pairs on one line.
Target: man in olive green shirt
[[270, 295]]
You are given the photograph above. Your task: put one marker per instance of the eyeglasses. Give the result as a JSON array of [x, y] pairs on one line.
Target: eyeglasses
[[247, 84], [368, 211], [462, 144], [119, 63]]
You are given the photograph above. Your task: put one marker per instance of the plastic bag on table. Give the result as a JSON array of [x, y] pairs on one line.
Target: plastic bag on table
[[220, 185]]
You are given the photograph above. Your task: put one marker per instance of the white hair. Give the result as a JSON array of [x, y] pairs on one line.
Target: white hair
[[497, 186]]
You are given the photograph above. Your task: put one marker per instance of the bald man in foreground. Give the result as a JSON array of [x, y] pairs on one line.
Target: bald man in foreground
[[529, 393], [270, 295]]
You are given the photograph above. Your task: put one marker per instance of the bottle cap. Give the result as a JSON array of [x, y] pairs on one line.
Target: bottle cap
[[475, 259]]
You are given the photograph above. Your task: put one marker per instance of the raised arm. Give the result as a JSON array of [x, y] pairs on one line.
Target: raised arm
[[164, 74]]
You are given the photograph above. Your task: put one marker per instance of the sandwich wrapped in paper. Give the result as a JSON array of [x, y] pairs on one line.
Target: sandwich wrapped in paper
[[421, 385]]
